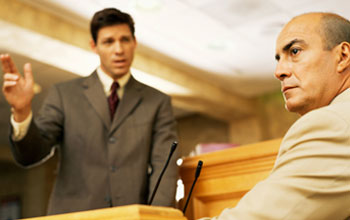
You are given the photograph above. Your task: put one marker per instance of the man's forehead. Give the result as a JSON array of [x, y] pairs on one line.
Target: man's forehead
[[113, 30], [287, 36], [303, 28]]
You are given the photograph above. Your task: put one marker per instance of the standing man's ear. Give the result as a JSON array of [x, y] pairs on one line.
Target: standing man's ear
[[93, 45], [344, 56]]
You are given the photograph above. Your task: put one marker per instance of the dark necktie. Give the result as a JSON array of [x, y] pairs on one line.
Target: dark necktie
[[113, 99]]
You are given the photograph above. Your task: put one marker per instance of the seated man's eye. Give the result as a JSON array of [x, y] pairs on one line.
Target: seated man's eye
[[295, 51]]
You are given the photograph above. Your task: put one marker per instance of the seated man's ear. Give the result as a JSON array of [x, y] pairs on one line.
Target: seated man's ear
[[344, 57]]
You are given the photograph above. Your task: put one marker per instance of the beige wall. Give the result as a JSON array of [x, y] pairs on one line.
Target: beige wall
[[197, 129], [275, 119], [271, 121]]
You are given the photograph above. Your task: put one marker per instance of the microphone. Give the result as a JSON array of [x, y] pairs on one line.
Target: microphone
[[173, 148], [198, 172]]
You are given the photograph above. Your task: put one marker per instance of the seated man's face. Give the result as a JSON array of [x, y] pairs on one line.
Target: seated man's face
[[306, 70]]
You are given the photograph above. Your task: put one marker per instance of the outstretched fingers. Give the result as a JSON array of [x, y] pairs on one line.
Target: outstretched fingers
[[8, 66]]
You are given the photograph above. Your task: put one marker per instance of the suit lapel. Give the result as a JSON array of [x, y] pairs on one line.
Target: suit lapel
[[131, 99], [93, 91]]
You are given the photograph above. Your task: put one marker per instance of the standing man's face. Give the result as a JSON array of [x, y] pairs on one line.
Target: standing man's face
[[307, 72], [115, 46]]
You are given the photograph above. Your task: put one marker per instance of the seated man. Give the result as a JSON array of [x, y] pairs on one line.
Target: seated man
[[311, 176]]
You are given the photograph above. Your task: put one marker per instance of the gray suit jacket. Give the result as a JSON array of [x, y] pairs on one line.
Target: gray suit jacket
[[103, 163], [311, 176]]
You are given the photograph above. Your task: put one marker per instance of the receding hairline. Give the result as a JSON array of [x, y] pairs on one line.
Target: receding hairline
[[332, 28]]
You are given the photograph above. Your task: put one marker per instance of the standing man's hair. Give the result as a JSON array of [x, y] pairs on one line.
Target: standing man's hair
[[109, 17], [334, 30]]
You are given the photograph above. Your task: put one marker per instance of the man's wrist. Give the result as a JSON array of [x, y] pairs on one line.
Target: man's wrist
[[20, 115], [20, 129]]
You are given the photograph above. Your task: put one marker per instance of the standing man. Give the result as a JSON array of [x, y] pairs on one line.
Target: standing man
[[113, 133], [311, 176]]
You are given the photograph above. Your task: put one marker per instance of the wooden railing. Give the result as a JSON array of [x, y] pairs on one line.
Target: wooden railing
[[226, 176]]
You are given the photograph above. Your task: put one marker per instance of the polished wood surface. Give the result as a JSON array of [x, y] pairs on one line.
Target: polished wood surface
[[226, 176], [130, 212]]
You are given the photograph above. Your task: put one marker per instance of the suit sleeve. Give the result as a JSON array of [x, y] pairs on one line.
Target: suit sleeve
[[45, 131], [311, 176], [164, 134]]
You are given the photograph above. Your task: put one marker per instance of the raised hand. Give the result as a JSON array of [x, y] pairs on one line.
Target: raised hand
[[17, 89]]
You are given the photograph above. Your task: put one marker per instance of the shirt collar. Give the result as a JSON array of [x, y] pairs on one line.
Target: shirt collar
[[107, 81]]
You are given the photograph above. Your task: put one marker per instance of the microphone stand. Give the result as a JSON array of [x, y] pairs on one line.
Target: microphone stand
[[198, 171], [173, 147]]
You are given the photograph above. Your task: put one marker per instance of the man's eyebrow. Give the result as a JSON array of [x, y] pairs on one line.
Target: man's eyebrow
[[107, 38], [288, 46]]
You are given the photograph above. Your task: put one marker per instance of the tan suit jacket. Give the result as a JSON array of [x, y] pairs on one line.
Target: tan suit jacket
[[311, 176], [103, 163]]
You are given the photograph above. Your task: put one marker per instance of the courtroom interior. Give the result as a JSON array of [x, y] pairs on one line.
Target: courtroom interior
[[215, 59]]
